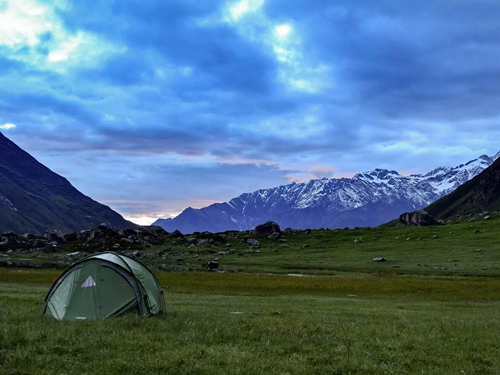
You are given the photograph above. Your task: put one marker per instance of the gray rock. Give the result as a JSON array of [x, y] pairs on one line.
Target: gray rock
[[54, 236], [417, 218], [206, 242], [103, 226], [253, 242], [267, 228], [379, 260], [136, 254], [274, 236]]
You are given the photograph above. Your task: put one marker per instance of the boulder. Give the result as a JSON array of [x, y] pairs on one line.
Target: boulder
[[155, 230], [253, 242], [267, 228], [418, 218], [212, 265], [9, 235], [95, 234], [206, 242], [176, 234], [39, 243], [54, 236], [274, 236], [103, 226]]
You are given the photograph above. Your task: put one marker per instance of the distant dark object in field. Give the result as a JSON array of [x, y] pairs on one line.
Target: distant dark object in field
[[379, 259], [267, 228], [417, 218], [212, 265]]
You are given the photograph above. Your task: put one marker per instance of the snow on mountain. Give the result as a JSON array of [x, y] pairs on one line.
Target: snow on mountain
[[368, 199]]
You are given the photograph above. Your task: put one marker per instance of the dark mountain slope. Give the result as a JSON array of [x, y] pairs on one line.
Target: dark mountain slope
[[33, 198], [482, 193]]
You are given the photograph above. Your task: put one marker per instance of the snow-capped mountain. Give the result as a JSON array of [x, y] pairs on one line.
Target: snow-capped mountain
[[367, 199]]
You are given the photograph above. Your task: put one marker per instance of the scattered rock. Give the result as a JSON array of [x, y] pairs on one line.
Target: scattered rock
[[253, 242], [274, 236], [103, 226], [417, 218], [54, 236], [306, 245], [212, 265], [487, 217], [267, 228], [136, 254], [206, 242], [379, 260]]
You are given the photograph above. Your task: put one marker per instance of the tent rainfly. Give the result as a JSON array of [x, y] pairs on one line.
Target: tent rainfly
[[104, 285]]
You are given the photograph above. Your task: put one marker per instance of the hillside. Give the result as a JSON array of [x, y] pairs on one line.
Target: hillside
[[33, 198], [367, 199], [480, 194]]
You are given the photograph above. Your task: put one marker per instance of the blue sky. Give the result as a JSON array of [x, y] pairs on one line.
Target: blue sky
[[152, 106]]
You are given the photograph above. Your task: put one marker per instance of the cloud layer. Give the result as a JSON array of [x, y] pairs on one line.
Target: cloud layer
[[152, 106]]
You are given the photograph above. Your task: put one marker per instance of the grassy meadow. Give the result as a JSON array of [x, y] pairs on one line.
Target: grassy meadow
[[326, 308], [250, 324]]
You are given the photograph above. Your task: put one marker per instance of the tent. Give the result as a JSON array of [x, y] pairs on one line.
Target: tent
[[104, 285]]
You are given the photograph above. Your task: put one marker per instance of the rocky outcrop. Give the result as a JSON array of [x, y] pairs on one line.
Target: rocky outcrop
[[267, 229], [417, 218]]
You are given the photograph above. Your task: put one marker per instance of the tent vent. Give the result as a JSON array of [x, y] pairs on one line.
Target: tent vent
[[88, 283]]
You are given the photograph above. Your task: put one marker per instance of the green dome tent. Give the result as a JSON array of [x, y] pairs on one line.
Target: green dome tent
[[104, 285]]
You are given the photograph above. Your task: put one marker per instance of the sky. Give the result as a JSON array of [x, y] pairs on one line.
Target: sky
[[152, 106]]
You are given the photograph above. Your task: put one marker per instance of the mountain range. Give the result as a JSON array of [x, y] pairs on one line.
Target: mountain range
[[367, 199], [480, 194], [34, 199]]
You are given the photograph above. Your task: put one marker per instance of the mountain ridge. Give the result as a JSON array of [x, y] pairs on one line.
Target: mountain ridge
[[482, 193], [33, 198], [367, 199]]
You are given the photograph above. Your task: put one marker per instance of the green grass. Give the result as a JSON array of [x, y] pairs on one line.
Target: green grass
[[284, 325], [432, 308]]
